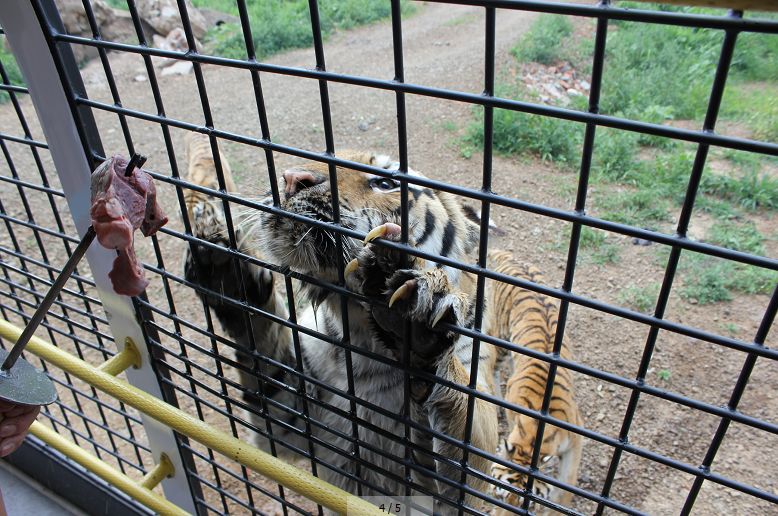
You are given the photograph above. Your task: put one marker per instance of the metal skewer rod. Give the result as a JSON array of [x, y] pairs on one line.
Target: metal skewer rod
[[52, 294]]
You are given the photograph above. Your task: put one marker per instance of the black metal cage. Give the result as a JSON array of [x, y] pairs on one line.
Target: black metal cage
[[194, 361]]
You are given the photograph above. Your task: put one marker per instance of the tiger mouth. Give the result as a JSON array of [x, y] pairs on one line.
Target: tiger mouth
[[307, 247]]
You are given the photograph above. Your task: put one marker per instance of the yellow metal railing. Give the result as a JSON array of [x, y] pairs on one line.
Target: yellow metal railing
[[296, 479], [136, 490]]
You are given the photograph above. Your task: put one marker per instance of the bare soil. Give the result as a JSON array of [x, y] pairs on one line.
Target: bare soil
[[443, 47]]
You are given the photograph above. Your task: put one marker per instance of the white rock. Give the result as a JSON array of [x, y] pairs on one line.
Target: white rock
[[177, 68]]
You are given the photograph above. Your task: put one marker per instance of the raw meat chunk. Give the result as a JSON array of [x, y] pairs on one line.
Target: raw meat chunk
[[121, 204]]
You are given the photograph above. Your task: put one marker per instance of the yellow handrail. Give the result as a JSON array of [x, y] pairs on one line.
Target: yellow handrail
[[104, 471], [296, 479]]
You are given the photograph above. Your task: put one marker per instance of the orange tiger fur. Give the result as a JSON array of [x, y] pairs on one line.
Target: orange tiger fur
[[529, 319]]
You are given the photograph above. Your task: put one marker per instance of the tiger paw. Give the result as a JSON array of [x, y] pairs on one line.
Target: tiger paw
[[427, 297], [425, 300], [375, 263]]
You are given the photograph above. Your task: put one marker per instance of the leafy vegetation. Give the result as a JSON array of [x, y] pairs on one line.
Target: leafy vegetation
[[11, 69], [543, 42], [640, 298], [740, 236], [278, 25]]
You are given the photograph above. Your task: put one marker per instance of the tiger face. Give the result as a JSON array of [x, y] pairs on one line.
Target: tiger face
[[437, 222]]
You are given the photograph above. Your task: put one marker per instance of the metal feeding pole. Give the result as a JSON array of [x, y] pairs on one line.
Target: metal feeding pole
[[43, 308]]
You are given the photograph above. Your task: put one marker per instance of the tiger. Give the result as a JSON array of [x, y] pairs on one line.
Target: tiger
[[201, 170], [390, 287], [529, 319]]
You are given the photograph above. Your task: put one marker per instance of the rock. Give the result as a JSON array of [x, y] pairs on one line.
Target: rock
[[177, 68], [573, 92], [140, 78], [114, 25], [175, 41], [163, 16]]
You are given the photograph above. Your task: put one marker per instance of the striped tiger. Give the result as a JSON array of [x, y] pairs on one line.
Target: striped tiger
[[529, 319], [202, 172]]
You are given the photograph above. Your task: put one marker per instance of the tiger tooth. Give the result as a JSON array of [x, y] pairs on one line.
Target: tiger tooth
[[350, 267], [376, 232], [402, 292]]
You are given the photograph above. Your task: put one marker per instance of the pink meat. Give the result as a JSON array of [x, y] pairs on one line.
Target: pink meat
[[127, 275], [120, 205]]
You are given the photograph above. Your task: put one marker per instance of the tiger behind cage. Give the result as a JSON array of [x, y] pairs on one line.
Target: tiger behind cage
[[397, 288]]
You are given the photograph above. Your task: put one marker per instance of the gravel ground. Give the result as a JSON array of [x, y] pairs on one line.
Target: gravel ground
[[444, 48]]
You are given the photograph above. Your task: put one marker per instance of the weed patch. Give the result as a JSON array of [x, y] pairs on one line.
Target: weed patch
[[543, 42], [11, 69], [278, 25], [642, 299], [642, 208], [740, 236]]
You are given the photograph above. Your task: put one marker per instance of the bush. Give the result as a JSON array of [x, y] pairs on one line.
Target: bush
[[642, 299], [542, 43], [520, 133], [278, 25], [740, 236], [11, 69]]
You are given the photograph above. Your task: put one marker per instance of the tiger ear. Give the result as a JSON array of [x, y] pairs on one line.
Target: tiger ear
[[473, 217]]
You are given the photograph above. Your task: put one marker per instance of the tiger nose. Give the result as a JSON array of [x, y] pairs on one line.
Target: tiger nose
[[296, 180]]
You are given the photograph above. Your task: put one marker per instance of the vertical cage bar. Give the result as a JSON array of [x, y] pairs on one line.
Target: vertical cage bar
[[329, 139], [490, 23], [402, 143], [575, 237]]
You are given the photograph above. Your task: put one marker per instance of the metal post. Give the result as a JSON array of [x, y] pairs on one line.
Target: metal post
[[68, 145]]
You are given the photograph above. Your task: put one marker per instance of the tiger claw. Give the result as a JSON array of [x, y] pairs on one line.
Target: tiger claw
[[438, 317], [376, 232], [350, 267], [387, 229], [403, 292]]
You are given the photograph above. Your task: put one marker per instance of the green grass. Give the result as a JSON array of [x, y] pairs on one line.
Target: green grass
[[519, 133], [543, 42], [644, 208], [11, 69], [593, 244], [643, 59], [706, 279], [740, 236], [449, 126], [755, 104], [642, 299], [279, 25]]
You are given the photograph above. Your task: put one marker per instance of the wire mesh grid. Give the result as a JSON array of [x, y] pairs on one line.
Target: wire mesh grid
[[36, 242], [198, 362]]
